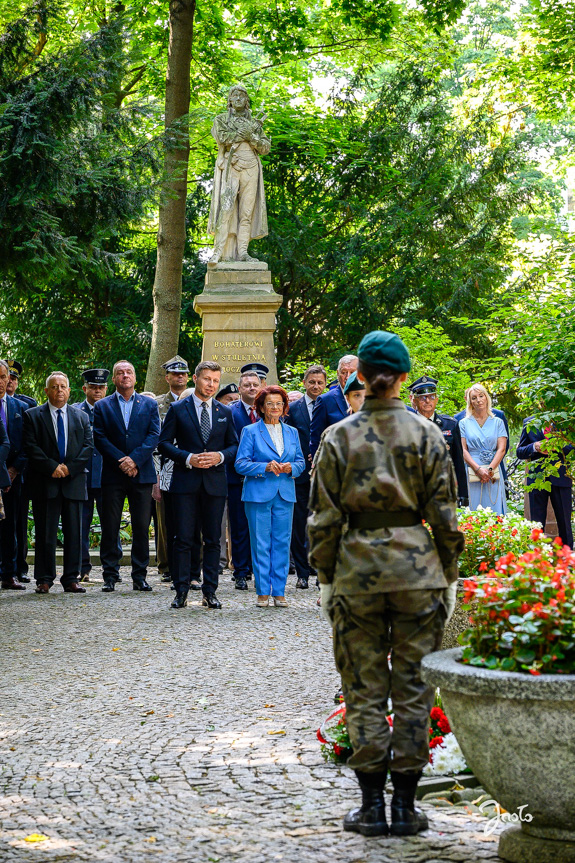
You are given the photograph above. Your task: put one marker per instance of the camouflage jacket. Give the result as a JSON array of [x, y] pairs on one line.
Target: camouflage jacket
[[164, 401], [386, 459]]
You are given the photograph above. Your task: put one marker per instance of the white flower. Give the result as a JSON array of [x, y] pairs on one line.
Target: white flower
[[447, 758]]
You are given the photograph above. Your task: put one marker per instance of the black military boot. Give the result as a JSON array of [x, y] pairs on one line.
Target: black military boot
[[406, 820], [369, 818]]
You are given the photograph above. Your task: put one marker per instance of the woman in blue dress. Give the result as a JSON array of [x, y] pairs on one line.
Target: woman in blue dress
[[484, 439]]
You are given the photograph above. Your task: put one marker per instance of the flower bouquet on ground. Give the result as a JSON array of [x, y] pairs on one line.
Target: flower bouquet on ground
[[488, 536], [523, 616], [445, 756]]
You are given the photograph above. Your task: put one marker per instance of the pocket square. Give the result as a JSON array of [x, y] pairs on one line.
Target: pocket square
[[222, 420]]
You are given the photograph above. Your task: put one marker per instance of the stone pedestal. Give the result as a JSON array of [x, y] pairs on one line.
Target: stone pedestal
[[238, 308]]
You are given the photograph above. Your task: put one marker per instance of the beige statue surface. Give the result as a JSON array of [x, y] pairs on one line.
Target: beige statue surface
[[238, 209]]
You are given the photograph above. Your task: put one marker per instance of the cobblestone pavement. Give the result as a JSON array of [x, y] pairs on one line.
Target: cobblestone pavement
[[130, 732]]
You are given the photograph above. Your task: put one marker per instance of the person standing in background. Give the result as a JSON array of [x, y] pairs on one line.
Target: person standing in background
[[332, 406]]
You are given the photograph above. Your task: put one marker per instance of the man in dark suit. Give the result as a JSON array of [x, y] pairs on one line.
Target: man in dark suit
[[299, 416], [199, 436], [58, 442], [95, 386], [531, 446], [126, 433], [12, 415], [243, 413], [332, 406], [24, 505]]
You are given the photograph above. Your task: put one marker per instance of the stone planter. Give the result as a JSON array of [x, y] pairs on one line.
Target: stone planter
[[517, 733]]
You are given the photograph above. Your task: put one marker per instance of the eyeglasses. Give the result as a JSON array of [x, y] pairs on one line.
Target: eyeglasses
[[429, 397]]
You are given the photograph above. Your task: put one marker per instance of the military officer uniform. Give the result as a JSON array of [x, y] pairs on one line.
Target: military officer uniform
[[377, 475], [449, 428]]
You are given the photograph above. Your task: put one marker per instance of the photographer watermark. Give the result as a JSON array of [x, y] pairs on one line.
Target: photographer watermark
[[501, 816]]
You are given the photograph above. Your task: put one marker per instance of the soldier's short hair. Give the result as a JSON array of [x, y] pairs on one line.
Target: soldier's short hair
[[207, 366], [315, 370], [57, 375]]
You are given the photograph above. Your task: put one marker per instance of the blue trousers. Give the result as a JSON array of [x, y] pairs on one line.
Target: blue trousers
[[270, 534]]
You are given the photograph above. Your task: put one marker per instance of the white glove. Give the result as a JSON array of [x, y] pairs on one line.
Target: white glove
[[326, 593], [450, 596]]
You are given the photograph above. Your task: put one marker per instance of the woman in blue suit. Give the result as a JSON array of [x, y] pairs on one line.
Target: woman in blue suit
[[270, 458]]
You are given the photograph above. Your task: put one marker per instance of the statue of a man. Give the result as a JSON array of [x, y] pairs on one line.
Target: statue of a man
[[238, 210]]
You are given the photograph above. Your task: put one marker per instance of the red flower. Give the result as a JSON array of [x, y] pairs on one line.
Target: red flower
[[435, 741], [483, 566], [558, 541], [337, 749], [534, 671], [514, 532], [436, 713], [444, 725], [536, 534]]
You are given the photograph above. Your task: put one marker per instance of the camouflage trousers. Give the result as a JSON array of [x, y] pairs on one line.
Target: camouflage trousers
[[366, 629]]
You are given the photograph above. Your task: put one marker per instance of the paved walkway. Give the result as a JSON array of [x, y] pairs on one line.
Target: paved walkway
[[130, 732]]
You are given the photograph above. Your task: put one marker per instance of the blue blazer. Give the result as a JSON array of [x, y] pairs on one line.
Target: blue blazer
[[113, 440], [15, 410], [525, 450], [329, 408], [181, 437], [255, 451], [298, 418], [240, 420], [94, 478], [4, 450]]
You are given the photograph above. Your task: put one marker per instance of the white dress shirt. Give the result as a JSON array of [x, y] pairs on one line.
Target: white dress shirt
[[54, 415], [277, 436], [310, 403], [198, 404]]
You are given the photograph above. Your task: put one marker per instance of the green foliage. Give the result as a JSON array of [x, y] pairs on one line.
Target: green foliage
[[488, 537]]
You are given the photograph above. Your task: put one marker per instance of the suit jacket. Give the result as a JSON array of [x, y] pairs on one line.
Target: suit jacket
[[299, 419], [461, 415], [255, 451], [181, 437], [329, 408], [4, 450], [41, 446], [241, 420], [15, 410], [94, 475], [526, 450], [28, 400], [113, 440]]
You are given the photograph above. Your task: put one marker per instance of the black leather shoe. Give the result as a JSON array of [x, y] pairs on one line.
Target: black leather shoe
[[210, 600], [12, 584], [166, 577], [302, 584], [109, 587], [369, 819], [241, 584], [142, 586], [180, 600], [406, 820], [195, 584], [23, 579]]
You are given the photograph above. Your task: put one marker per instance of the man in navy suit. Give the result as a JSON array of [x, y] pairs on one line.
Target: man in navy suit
[[531, 446], [243, 414], [22, 520], [126, 433], [95, 386], [58, 442], [331, 407], [198, 435], [12, 415], [299, 416]]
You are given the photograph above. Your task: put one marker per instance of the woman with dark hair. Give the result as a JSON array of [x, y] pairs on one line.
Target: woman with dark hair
[[270, 458], [378, 475]]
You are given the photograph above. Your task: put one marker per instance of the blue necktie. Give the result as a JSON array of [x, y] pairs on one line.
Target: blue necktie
[[61, 436]]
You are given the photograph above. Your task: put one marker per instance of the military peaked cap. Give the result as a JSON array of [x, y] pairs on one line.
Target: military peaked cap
[[176, 364], [423, 386], [259, 368], [96, 376], [15, 368]]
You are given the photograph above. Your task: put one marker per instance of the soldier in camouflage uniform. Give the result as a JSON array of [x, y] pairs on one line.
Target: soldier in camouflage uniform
[[384, 576]]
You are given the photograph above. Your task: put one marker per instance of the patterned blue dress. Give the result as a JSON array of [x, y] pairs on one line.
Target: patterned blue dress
[[482, 446]]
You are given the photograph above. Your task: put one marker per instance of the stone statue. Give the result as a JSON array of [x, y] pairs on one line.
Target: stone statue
[[238, 209]]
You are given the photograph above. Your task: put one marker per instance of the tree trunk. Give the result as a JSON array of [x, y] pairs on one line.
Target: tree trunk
[[167, 292]]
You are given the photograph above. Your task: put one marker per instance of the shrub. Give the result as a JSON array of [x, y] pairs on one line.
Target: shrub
[[488, 536]]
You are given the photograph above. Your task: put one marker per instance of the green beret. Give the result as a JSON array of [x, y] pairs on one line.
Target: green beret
[[353, 383], [384, 349]]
